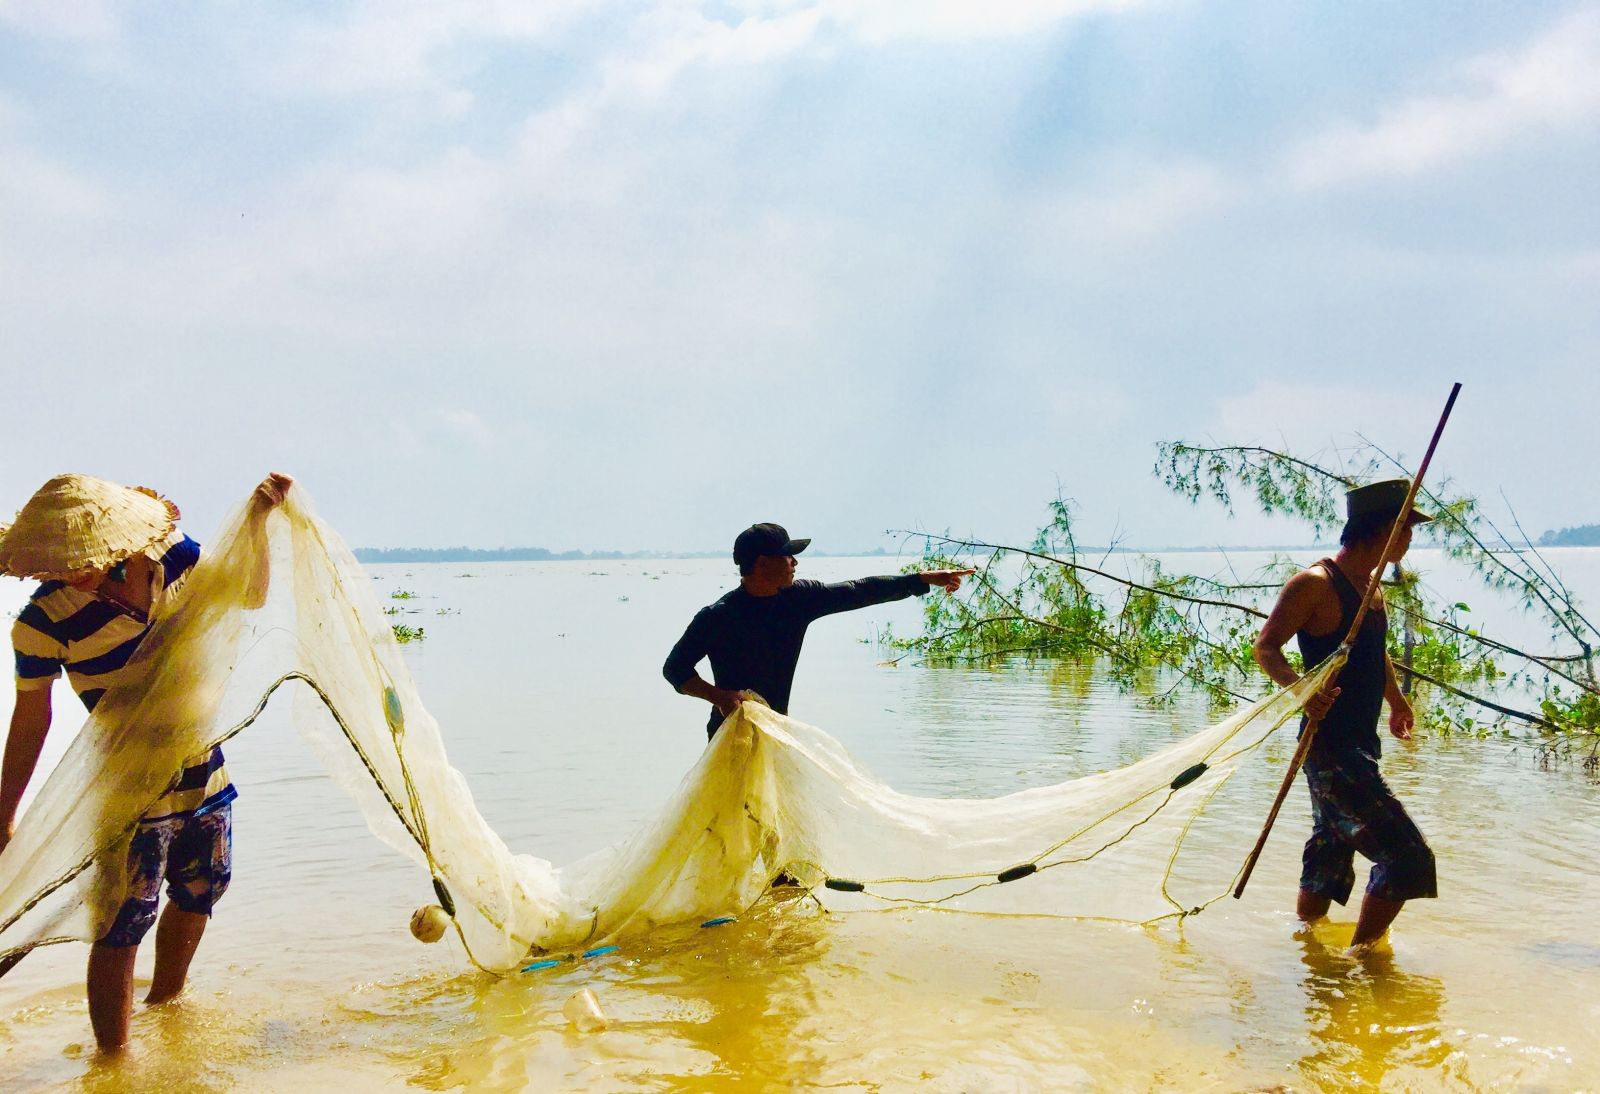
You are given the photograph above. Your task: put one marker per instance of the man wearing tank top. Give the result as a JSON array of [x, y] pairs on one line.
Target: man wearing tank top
[[1352, 807]]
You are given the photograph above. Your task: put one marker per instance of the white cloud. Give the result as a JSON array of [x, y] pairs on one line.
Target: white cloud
[[681, 36], [468, 426], [72, 19], [424, 434], [1136, 202], [368, 216], [36, 189], [41, 188], [880, 21], [1319, 420], [702, 214], [390, 45], [679, 39], [1551, 83]]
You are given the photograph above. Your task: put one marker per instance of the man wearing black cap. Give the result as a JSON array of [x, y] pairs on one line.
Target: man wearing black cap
[[753, 634], [1352, 808]]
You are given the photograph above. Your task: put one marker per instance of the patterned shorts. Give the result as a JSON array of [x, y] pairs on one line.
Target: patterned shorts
[[194, 855], [1353, 809]]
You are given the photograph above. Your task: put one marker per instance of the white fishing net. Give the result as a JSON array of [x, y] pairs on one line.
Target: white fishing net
[[768, 795]]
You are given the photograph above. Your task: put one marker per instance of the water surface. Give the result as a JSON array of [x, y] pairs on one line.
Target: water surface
[[545, 677]]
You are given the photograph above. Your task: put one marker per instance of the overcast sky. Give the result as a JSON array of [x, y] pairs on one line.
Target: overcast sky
[[632, 276]]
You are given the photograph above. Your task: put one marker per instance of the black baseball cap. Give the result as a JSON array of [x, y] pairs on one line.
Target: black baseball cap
[[765, 539]]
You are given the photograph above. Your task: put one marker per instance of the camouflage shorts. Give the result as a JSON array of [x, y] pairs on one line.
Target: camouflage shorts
[[194, 855], [1353, 809]]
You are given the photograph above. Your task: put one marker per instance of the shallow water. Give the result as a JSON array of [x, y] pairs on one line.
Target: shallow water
[[546, 680]]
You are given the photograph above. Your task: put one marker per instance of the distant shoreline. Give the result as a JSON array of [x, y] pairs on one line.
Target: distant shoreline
[[413, 555], [540, 554]]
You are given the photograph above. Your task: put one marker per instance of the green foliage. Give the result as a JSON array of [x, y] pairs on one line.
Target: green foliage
[[1280, 483], [1572, 707], [1050, 600], [402, 594], [404, 634], [1047, 600], [1447, 647]]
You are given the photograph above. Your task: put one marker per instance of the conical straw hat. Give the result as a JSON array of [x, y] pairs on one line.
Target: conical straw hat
[[78, 523]]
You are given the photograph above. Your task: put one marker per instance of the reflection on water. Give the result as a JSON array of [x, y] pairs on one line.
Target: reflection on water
[[1367, 1017], [660, 1015], [307, 979]]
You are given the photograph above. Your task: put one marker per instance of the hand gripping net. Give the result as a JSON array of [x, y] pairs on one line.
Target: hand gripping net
[[768, 795]]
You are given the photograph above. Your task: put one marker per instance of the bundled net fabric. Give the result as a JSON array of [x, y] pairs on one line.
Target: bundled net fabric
[[769, 795]]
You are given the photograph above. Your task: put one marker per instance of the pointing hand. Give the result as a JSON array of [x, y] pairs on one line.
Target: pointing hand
[[948, 580]]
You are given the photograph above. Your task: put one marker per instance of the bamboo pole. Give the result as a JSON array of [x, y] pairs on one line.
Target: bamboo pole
[[1310, 733]]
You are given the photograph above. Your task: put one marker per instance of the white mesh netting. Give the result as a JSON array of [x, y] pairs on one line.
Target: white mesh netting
[[769, 794]]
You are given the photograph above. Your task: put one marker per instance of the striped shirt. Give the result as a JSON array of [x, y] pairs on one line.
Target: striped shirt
[[92, 639]]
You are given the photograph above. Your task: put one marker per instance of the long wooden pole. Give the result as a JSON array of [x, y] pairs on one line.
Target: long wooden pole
[[1306, 737]]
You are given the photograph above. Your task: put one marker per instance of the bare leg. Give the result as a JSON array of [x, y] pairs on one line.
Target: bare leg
[[111, 994], [1376, 915], [1310, 906], [177, 937]]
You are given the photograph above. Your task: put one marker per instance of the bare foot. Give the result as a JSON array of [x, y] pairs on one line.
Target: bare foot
[[1375, 952], [114, 1054]]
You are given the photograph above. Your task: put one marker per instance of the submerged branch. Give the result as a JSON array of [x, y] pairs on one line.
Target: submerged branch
[[1203, 628], [1488, 704], [1083, 567]]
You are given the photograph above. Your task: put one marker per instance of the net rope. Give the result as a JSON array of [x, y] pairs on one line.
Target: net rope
[[770, 795]]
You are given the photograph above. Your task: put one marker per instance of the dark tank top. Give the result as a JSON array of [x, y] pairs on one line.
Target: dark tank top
[[1351, 724]]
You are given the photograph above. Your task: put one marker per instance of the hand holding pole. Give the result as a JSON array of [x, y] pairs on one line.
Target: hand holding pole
[[1310, 732]]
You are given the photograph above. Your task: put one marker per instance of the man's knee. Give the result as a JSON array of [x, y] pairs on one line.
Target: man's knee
[[1311, 905], [133, 921], [201, 862], [1410, 873], [1327, 870], [199, 895], [147, 859]]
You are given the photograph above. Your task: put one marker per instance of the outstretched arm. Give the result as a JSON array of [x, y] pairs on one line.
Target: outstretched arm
[[847, 596]]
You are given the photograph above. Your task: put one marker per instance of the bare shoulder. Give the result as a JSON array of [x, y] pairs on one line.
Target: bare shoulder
[[1304, 600], [1310, 584]]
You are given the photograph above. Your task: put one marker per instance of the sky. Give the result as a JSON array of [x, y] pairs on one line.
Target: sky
[[634, 275]]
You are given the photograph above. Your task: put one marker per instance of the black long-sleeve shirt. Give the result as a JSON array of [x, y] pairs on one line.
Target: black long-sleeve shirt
[[754, 641]]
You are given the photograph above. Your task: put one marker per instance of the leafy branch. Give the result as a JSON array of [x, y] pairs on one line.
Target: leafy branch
[[1047, 599]]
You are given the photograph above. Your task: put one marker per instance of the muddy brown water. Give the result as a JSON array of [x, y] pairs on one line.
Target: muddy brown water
[[546, 680]]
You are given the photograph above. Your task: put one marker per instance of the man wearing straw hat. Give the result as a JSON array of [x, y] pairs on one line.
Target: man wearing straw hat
[[112, 558], [1352, 808]]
